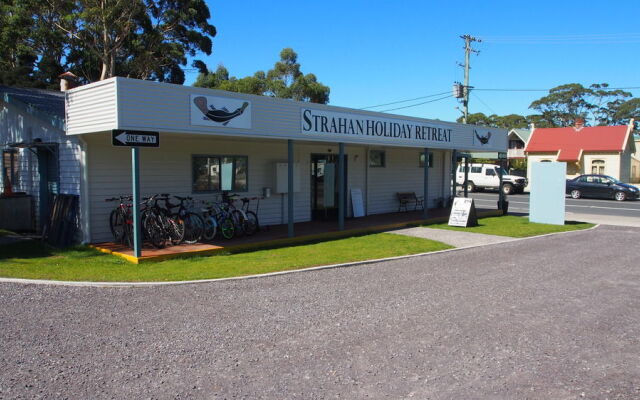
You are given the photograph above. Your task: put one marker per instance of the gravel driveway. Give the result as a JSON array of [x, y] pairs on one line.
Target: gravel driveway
[[548, 318]]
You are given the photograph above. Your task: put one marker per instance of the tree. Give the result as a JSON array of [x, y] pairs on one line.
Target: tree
[[477, 119], [284, 80], [626, 111], [220, 79], [565, 103], [98, 39], [31, 50]]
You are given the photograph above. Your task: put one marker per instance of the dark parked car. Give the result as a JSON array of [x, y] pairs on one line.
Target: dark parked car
[[601, 186]]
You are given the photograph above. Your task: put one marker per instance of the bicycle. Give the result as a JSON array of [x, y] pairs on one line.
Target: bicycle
[[217, 220], [121, 221], [159, 224], [252, 217], [193, 223]]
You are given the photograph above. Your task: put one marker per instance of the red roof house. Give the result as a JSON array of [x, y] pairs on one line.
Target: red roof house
[[598, 149]]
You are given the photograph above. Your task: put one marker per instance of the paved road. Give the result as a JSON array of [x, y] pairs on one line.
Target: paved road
[[548, 318], [590, 210]]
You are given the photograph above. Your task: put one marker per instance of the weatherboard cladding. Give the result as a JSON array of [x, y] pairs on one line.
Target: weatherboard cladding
[[153, 106], [19, 125], [168, 169], [91, 108]]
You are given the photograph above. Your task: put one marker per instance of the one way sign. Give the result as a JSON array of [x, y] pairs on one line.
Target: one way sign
[[126, 138]]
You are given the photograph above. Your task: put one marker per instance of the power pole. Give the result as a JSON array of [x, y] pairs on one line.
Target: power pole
[[468, 39]]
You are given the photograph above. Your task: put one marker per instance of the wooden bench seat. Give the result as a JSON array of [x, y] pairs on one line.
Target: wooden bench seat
[[408, 198]]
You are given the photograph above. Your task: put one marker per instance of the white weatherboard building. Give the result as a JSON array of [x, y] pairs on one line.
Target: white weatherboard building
[[213, 141]]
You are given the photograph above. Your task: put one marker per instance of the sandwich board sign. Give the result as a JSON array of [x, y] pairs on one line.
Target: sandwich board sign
[[356, 202], [128, 138], [463, 212]]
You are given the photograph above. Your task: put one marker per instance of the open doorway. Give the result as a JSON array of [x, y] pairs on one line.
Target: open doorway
[[324, 186]]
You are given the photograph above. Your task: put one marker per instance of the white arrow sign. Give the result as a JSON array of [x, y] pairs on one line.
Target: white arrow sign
[[135, 138]]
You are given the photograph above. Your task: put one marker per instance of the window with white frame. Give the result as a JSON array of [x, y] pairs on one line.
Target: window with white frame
[[597, 167], [212, 173]]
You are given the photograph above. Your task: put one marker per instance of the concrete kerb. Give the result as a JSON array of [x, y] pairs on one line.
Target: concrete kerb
[[271, 274]]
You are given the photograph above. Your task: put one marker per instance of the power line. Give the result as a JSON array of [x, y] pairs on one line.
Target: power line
[[546, 90], [485, 104], [418, 104], [404, 101], [559, 39], [579, 35]]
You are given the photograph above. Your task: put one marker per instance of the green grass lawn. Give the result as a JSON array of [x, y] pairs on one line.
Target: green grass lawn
[[517, 227], [34, 260]]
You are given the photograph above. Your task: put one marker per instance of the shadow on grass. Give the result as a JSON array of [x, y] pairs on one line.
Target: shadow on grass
[[27, 249]]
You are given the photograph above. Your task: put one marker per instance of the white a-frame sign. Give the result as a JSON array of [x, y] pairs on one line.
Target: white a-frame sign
[[463, 213]]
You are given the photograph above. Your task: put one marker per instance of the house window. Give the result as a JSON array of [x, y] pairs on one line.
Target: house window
[[516, 144], [421, 160], [377, 159], [597, 167], [219, 173], [10, 167]]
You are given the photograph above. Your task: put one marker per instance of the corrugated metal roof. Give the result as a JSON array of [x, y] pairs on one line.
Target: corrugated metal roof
[[48, 101], [570, 142], [523, 133]]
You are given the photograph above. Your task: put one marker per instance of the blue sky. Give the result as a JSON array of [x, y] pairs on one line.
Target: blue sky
[[374, 52]]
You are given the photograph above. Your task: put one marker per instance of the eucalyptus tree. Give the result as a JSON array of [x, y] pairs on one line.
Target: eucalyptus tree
[[98, 39], [284, 80]]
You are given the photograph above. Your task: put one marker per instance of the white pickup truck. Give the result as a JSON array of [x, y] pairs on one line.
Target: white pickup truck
[[485, 176]]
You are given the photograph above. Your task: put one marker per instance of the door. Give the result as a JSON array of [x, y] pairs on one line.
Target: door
[[605, 187], [324, 186], [49, 179]]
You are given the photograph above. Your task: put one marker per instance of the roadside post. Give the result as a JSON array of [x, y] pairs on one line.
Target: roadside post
[[502, 201], [135, 139], [466, 175]]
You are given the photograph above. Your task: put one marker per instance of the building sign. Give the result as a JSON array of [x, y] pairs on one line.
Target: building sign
[[338, 124], [220, 112]]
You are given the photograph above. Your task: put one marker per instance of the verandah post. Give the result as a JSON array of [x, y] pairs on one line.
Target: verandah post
[[290, 187], [135, 180], [341, 194], [425, 197]]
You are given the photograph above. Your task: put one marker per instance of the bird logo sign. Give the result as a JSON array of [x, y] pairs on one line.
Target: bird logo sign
[[220, 111], [482, 139]]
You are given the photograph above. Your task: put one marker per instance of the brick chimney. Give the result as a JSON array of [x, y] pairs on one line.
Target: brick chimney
[[67, 81], [579, 124]]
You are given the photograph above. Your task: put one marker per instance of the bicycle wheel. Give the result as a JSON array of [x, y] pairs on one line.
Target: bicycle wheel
[[210, 228], [193, 228], [252, 223], [227, 228], [153, 231], [116, 224], [174, 227], [127, 237], [239, 222]]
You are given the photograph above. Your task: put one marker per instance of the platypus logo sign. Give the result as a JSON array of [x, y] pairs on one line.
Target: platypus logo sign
[[483, 139], [216, 111]]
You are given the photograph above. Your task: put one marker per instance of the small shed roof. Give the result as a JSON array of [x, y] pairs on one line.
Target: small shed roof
[[48, 101]]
